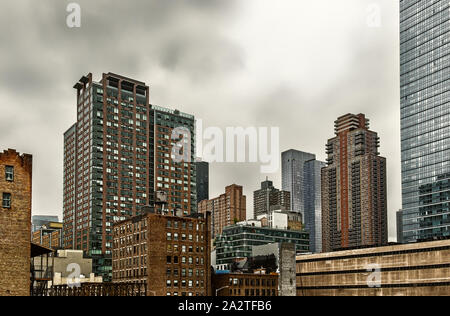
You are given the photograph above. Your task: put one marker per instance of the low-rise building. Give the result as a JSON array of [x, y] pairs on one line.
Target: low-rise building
[[282, 219], [64, 267], [237, 241], [416, 269], [171, 254], [284, 254], [49, 235], [37, 221], [245, 284]]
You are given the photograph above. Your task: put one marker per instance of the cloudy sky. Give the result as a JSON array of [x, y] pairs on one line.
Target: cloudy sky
[[292, 64]]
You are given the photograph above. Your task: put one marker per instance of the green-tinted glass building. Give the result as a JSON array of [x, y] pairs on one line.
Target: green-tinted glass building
[[237, 241]]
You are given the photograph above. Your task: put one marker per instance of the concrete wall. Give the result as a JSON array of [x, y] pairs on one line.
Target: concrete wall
[[285, 254], [287, 270], [413, 269], [66, 264], [58, 280], [68, 257]]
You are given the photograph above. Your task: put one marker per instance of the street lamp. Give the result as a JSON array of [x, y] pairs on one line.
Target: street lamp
[[222, 288]]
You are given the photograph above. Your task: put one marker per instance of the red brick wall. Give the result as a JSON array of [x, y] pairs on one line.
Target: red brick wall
[[15, 225]]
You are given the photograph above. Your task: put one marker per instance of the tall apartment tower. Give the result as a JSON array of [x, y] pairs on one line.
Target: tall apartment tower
[[226, 210], [425, 113], [354, 203], [116, 157], [15, 223], [202, 180], [177, 179], [313, 203], [268, 196], [293, 170]]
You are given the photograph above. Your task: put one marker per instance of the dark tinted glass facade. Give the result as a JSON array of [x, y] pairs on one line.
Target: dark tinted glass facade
[[202, 181], [293, 174], [313, 203], [425, 117], [238, 241]]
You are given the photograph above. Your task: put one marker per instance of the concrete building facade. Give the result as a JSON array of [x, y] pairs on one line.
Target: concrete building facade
[[285, 254], [415, 269], [280, 219]]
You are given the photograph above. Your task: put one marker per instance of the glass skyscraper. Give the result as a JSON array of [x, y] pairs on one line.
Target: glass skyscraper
[[425, 118], [313, 203], [301, 176], [293, 173]]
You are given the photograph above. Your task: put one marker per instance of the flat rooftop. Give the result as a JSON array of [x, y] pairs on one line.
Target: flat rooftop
[[413, 247]]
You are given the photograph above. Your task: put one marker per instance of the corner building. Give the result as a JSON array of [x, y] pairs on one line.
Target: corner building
[[169, 253]]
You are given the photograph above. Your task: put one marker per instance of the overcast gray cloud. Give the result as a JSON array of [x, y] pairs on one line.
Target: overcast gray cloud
[[293, 64]]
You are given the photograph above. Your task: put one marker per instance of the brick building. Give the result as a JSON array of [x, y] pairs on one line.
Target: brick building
[[15, 223], [227, 209], [49, 235], [354, 187], [239, 284], [169, 253], [269, 196], [117, 156]]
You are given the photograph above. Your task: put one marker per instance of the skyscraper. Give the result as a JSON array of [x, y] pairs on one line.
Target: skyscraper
[[354, 202], [301, 177], [293, 170], [313, 203], [116, 157], [425, 116], [202, 180], [176, 179], [268, 196]]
